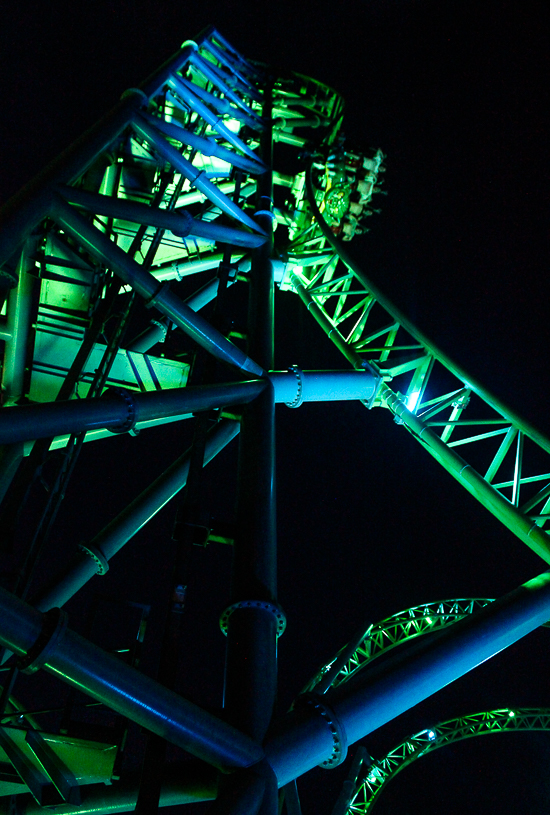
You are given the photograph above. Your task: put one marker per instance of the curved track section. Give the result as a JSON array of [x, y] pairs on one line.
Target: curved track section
[[387, 634], [497, 456], [381, 772], [106, 260]]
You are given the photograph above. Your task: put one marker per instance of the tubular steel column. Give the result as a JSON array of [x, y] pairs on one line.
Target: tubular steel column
[[253, 616]]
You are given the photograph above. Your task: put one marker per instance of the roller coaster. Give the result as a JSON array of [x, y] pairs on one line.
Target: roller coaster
[[370, 777], [202, 190]]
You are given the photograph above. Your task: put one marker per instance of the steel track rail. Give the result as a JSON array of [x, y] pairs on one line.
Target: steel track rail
[[504, 461]]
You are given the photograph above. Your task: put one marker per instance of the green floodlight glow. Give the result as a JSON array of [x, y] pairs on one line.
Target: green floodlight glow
[[511, 714]]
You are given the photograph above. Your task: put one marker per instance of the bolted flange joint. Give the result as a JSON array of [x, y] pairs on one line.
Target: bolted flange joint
[[299, 398], [275, 610], [54, 625], [129, 422], [97, 556], [337, 730]]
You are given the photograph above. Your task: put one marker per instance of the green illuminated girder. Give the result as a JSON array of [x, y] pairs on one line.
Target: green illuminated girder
[[401, 627], [208, 118], [381, 772], [406, 625], [497, 456]]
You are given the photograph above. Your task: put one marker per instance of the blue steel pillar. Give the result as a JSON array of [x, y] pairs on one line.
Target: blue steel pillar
[[252, 619]]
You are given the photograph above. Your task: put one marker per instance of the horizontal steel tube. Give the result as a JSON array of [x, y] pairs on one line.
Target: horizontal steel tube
[[148, 287], [155, 333], [25, 422], [304, 739], [323, 386], [181, 269], [121, 529], [102, 676], [40, 421]]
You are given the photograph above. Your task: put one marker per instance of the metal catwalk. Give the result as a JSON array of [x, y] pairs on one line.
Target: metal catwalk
[[123, 265]]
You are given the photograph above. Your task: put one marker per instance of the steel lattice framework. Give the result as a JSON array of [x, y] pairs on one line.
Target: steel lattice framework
[[380, 772], [381, 637], [502, 462], [214, 164]]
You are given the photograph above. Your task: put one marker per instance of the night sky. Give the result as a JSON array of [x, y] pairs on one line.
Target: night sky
[[456, 95]]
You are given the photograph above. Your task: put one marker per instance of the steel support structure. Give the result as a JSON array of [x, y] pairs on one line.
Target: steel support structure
[[158, 192], [319, 730], [252, 630]]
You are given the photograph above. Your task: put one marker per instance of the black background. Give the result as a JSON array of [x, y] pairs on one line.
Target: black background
[[456, 95]]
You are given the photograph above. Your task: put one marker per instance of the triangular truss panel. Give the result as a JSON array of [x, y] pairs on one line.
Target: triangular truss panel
[[119, 264]]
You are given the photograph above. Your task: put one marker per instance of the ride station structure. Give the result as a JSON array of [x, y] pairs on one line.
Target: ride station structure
[[215, 176]]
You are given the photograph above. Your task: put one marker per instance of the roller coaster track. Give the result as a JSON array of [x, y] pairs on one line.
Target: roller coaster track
[[502, 461], [383, 636], [120, 233], [376, 774]]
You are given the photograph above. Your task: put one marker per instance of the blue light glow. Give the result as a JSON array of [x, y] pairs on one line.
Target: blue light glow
[[412, 400]]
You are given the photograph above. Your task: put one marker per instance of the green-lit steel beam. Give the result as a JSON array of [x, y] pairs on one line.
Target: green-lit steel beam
[[381, 637], [344, 302], [375, 777]]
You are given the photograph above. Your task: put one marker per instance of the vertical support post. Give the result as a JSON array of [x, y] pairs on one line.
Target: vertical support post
[[18, 326], [251, 668], [13, 368]]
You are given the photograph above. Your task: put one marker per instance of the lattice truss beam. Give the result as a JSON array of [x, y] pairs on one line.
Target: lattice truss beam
[[165, 189], [171, 192], [498, 457], [383, 636], [376, 774]]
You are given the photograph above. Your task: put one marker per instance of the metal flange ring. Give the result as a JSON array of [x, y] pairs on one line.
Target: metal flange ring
[[54, 625], [339, 737], [299, 398], [275, 610], [130, 420], [97, 556]]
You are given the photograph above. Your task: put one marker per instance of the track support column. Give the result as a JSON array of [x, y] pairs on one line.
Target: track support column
[[253, 619]]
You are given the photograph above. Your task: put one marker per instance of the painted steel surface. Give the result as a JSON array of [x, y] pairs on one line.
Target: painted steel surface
[[177, 180]]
